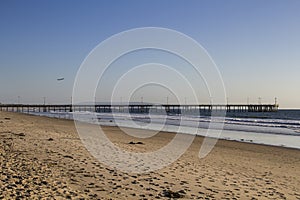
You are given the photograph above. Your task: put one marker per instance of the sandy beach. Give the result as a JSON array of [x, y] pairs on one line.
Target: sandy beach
[[43, 158]]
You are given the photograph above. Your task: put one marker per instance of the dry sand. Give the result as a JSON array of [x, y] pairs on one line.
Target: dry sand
[[43, 158]]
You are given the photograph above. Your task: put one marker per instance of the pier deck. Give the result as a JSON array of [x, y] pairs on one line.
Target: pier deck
[[140, 108]]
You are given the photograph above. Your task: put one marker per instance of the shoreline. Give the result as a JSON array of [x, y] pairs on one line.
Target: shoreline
[[47, 159], [242, 140]]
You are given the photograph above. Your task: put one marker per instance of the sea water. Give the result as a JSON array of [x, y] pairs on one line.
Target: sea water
[[280, 128]]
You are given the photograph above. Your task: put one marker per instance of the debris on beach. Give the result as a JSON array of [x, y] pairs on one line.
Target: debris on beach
[[67, 156], [18, 134], [131, 142], [139, 143], [172, 194]]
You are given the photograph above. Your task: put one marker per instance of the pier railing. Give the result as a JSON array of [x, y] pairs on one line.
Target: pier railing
[[140, 108]]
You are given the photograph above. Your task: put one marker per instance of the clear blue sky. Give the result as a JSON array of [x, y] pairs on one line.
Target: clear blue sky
[[255, 44]]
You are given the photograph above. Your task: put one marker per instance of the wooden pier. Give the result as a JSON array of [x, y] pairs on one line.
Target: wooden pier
[[141, 108]]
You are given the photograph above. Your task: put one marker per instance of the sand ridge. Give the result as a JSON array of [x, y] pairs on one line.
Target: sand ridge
[[43, 158]]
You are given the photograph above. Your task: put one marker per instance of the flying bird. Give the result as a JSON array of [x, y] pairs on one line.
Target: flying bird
[[60, 79]]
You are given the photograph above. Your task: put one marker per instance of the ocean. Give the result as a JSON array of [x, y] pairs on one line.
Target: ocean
[[280, 128]]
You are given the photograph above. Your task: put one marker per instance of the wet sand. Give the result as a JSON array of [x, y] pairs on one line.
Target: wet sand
[[43, 158]]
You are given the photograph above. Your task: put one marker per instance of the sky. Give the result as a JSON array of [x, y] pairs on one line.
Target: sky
[[255, 45]]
